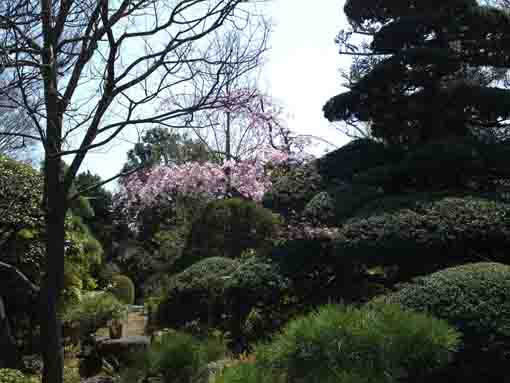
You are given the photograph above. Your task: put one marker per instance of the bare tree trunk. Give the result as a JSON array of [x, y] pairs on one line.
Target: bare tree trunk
[[55, 200], [51, 329]]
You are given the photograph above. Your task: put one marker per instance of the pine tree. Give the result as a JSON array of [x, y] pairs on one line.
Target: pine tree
[[425, 69]]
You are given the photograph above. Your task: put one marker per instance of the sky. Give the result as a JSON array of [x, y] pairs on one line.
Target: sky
[[301, 71]]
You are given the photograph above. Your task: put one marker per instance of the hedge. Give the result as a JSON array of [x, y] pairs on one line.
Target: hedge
[[475, 298]]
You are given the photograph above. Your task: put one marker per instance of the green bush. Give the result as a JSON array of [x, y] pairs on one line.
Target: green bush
[[93, 311], [372, 344], [445, 230], [321, 208], [21, 189], [176, 357], [123, 289], [475, 298], [192, 292], [8, 375], [248, 373], [356, 157], [221, 291], [293, 188], [226, 228]]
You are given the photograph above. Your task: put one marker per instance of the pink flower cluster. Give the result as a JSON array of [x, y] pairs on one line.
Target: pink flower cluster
[[250, 178]]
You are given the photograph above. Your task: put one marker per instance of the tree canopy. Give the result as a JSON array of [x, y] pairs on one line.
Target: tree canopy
[[429, 69]]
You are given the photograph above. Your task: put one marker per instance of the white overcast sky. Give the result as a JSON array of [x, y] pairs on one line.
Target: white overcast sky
[[302, 71]]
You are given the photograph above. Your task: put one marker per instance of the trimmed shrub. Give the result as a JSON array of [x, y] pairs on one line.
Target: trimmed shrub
[[92, 312], [8, 375], [226, 228], [221, 292], [293, 188], [344, 344], [123, 289], [321, 208], [355, 157], [445, 230], [176, 357], [475, 298], [192, 293]]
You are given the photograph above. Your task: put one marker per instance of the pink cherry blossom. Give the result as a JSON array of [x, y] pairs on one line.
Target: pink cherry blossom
[[250, 178]]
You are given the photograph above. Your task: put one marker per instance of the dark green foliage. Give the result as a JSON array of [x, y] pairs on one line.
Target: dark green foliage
[[161, 146], [221, 292], [21, 217], [100, 202], [248, 373], [315, 271], [22, 244], [320, 208], [355, 157], [92, 312], [435, 79], [292, 188], [123, 289], [226, 228], [8, 375], [475, 298], [176, 357], [445, 230], [469, 164], [190, 292], [344, 344]]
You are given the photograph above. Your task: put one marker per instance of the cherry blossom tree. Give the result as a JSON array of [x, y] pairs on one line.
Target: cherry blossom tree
[[245, 121], [249, 178]]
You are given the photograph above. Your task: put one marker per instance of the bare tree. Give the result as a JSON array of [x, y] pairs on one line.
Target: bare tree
[[85, 70], [14, 123]]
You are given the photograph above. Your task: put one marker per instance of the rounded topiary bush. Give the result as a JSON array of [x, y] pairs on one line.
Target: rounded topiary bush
[[221, 292], [321, 208], [228, 227], [123, 289], [191, 293], [475, 298], [293, 188]]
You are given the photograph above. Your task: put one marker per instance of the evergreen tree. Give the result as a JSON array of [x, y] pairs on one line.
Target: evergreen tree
[[425, 70], [160, 146]]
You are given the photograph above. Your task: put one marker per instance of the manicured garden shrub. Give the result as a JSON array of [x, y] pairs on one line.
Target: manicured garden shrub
[[293, 188], [93, 311], [475, 298], [11, 376], [8, 375], [123, 289], [355, 157], [344, 344], [193, 292], [221, 292], [445, 230], [176, 357], [321, 208], [226, 228]]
